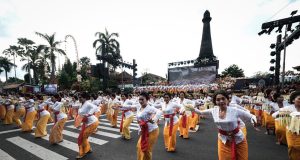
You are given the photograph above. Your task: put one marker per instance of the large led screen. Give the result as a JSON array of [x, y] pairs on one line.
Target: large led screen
[[192, 75]]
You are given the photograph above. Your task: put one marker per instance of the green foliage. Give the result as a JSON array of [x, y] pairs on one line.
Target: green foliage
[[26, 78], [14, 80], [95, 84], [6, 65], [233, 71], [85, 85], [85, 64], [109, 48], [51, 49], [67, 75], [260, 74]]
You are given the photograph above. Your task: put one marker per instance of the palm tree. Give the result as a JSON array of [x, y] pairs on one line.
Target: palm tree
[[51, 49], [25, 51], [109, 48], [12, 51], [34, 55], [6, 65]]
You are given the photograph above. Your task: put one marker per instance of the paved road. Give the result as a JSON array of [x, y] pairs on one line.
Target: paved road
[[108, 145]]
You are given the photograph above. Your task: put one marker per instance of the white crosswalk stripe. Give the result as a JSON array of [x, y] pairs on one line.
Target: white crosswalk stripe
[[109, 128], [41, 151], [91, 139], [65, 143], [35, 149], [108, 124], [4, 155], [134, 124], [101, 133]]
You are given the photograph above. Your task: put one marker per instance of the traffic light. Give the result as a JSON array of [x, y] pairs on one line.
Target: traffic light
[[134, 68], [276, 60]]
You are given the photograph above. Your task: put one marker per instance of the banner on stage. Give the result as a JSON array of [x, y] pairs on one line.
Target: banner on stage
[[192, 75], [50, 88]]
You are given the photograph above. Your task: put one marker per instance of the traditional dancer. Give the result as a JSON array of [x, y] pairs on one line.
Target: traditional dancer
[[9, 112], [19, 112], [41, 124], [171, 123], [60, 119], [183, 118], [90, 124], [29, 116], [127, 117], [232, 143]]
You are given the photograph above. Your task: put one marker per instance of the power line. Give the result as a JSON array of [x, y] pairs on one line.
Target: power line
[[279, 10]]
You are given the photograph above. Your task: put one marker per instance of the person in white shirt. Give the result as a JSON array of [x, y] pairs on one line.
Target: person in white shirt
[[29, 116], [293, 140], [114, 116], [41, 124], [183, 118], [147, 117], [232, 143], [127, 117], [60, 119], [89, 126], [9, 105], [171, 122], [19, 111]]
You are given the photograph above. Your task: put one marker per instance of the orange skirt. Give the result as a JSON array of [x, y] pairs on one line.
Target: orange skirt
[[269, 120], [152, 139], [85, 146], [170, 141], [224, 150], [27, 125], [280, 132], [77, 121], [19, 113], [9, 117], [184, 132], [293, 142], [2, 111], [41, 126], [56, 135], [103, 108]]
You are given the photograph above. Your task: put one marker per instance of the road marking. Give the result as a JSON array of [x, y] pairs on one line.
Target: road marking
[[134, 124], [91, 139], [109, 128], [101, 133], [35, 149], [15, 130], [108, 124], [4, 155], [65, 143]]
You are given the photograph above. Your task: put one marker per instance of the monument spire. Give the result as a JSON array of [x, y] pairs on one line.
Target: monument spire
[[206, 50]]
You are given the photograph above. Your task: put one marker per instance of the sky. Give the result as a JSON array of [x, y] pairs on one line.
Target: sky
[[154, 32]]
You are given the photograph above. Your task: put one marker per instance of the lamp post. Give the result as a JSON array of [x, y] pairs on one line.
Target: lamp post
[[284, 55]]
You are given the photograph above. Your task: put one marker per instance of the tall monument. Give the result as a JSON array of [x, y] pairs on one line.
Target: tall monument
[[206, 55]]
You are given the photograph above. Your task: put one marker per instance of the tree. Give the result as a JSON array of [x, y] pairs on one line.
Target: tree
[[12, 51], [6, 65], [85, 65], [51, 49], [33, 56], [109, 48], [26, 45], [85, 61], [233, 71], [260, 74], [14, 80], [67, 75]]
